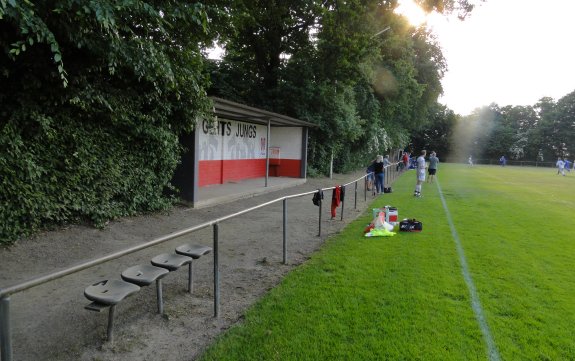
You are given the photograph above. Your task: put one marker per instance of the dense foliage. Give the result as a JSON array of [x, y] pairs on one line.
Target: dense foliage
[[358, 70], [94, 95]]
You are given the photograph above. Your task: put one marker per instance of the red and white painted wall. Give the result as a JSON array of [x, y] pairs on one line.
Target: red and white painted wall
[[231, 150]]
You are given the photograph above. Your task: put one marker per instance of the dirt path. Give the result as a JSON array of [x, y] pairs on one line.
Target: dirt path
[[49, 322]]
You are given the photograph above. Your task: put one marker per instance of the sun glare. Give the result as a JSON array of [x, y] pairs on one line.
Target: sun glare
[[414, 14]]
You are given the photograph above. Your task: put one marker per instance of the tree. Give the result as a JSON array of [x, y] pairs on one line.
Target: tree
[[471, 135], [94, 94], [462, 7], [261, 36], [518, 125], [564, 126], [437, 136], [320, 61]]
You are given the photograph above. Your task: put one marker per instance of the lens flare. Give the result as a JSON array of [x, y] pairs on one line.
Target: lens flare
[[384, 82]]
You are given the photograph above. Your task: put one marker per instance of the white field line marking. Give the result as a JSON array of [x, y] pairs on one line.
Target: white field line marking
[[475, 303]]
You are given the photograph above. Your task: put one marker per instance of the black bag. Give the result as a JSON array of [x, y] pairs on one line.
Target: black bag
[[410, 225], [386, 189], [317, 197]]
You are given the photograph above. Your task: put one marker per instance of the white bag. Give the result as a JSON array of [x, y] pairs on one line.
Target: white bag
[[380, 223]]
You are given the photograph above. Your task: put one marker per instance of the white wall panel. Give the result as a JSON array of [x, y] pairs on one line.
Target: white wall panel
[[289, 140], [230, 139]]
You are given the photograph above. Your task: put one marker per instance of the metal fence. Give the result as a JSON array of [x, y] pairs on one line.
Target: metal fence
[[520, 163], [6, 353]]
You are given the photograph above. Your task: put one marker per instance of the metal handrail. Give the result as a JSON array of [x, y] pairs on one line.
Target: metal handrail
[[62, 273], [5, 337]]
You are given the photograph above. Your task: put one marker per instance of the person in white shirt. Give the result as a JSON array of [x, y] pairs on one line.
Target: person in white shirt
[[420, 166], [470, 161], [560, 166]]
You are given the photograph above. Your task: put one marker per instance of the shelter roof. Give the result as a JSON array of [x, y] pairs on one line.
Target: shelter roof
[[236, 111]]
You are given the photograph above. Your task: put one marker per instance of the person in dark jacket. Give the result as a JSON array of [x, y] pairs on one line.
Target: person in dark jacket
[[378, 169], [370, 176]]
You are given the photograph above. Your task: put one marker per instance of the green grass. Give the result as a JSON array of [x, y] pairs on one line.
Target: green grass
[[405, 297], [516, 226]]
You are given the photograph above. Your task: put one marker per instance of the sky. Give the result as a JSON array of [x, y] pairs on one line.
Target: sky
[[509, 52]]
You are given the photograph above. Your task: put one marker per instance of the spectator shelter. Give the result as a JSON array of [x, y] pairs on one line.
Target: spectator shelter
[[241, 143]]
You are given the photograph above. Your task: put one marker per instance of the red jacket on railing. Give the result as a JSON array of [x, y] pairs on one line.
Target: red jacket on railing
[[335, 200]]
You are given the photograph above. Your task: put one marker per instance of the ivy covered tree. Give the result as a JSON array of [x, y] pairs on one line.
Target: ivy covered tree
[[94, 95]]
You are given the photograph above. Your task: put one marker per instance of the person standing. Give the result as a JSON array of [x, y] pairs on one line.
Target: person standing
[[386, 166], [420, 170], [432, 170], [470, 161], [502, 161], [379, 174], [560, 166], [405, 160], [370, 176]]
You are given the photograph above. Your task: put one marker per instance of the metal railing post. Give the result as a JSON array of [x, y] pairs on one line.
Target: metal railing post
[[355, 196], [5, 333], [342, 202], [285, 232], [216, 273], [385, 176], [320, 206], [365, 189]]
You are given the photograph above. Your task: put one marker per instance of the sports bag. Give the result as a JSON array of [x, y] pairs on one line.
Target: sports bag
[[387, 190], [410, 225]]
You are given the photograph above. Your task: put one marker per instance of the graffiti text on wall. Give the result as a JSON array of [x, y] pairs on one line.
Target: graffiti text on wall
[[243, 130]]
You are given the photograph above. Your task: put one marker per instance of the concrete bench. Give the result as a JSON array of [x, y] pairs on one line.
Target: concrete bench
[[107, 294]]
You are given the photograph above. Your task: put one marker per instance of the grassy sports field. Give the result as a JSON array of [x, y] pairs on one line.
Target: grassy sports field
[[491, 277]]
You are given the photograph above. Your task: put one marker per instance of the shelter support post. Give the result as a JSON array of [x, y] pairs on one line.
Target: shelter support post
[[268, 152]]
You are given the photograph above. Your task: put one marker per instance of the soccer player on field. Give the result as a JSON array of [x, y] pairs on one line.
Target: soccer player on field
[[560, 166]]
